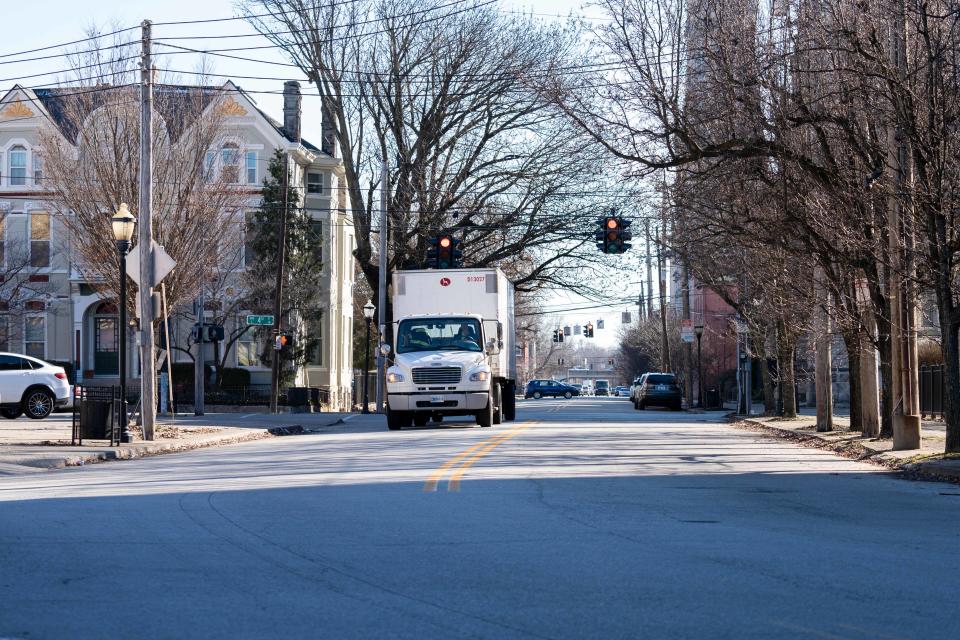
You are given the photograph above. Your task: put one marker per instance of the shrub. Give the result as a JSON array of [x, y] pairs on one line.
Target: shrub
[[234, 377]]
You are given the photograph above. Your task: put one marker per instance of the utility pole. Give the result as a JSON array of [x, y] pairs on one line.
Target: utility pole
[[148, 368], [665, 359], [382, 286], [687, 346], [278, 291], [903, 313], [649, 274], [641, 303], [198, 365]]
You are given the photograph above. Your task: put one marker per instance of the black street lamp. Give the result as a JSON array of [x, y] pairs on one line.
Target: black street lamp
[[698, 329], [368, 310], [123, 224]]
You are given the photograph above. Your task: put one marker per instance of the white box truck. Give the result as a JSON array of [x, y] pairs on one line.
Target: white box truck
[[454, 350]]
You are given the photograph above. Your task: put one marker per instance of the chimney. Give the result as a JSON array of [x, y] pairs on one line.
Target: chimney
[[291, 110], [328, 131]]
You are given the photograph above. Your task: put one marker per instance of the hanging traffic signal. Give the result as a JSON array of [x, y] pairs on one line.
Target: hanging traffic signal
[[588, 330], [560, 335], [612, 235], [556, 335], [444, 252]]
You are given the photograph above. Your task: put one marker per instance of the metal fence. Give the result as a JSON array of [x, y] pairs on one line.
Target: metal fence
[[933, 389]]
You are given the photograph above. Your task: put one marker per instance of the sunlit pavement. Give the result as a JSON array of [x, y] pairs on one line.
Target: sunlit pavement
[[583, 519]]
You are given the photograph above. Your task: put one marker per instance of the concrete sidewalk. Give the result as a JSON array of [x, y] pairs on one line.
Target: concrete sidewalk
[[34, 445], [927, 463]]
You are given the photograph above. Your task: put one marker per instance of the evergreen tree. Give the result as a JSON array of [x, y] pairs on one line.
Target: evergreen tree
[[302, 288]]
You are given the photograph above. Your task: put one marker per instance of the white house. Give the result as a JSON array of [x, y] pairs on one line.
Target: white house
[[49, 309]]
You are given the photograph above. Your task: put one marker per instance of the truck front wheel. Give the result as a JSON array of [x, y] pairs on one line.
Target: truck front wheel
[[397, 420], [497, 397], [485, 415]]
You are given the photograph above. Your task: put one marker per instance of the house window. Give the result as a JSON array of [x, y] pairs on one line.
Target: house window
[[37, 169], [35, 336], [247, 348], [314, 182], [208, 161], [230, 163], [315, 338], [4, 332], [18, 166], [251, 167], [40, 239]]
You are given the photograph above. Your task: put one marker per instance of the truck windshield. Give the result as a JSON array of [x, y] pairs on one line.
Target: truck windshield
[[439, 334]]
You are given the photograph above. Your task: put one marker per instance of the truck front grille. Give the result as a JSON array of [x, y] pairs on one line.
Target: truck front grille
[[436, 375]]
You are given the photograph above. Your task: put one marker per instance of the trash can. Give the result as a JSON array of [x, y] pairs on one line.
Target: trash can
[[93, 417], [712, 398], [315, 398], [298, 398]]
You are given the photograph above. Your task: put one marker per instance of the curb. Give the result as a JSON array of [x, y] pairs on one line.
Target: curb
[[141, 450], [852, 447]]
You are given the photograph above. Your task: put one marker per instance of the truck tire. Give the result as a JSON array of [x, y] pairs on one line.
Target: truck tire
[[485, 415], [497, 397], [397, 420], [510, 403]]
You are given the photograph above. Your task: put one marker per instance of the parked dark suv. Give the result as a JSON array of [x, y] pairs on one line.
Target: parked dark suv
[[548, 388], [660, 390]]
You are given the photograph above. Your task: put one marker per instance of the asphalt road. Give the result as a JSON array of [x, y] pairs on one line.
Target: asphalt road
[[583, 519]]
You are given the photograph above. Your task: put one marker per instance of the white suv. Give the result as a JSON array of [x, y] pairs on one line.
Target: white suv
[[31, 386]]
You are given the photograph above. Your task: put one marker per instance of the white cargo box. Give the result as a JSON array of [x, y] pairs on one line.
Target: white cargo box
[[487, 293]]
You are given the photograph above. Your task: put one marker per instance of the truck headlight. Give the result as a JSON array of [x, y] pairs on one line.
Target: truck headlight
[[480, 376], [393, 376]]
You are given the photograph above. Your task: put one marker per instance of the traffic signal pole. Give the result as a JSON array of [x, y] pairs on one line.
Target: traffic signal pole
[[278, 292]]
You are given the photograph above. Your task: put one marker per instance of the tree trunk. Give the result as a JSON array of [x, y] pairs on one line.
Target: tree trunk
[[854, 356], [951, 408], [769, 396], [786, 347], [870, 408], [886, 376]]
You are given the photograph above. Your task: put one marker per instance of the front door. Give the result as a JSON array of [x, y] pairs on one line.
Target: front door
[[106, 345]]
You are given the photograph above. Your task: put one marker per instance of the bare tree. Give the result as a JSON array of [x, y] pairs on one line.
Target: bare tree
[[90, 152]]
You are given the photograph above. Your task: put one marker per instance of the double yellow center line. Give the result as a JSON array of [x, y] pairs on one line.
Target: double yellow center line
[[467, 458]]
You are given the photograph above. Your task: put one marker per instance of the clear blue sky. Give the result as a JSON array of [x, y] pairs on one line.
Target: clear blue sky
[[31, 25]]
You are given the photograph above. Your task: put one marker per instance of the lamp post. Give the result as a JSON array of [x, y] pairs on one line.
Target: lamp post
[[123, 224], [368, 310], [698, 329]]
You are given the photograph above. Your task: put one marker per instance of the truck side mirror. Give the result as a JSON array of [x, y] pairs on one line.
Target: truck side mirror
[[384, 348], [491, 346]]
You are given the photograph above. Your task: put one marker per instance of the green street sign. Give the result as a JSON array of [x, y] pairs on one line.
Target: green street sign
[[262, 321]]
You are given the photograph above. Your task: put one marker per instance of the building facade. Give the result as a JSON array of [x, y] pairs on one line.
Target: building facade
[[49, 308]]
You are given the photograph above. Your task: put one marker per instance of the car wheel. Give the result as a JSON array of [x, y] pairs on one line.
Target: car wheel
[[38, 404], [485, 415], [567, 395], [537, 395], [11, 414]]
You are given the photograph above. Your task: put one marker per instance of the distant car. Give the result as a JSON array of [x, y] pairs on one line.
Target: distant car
[[31, 386], [602, 388], [549, 388], [659, 390], [622, 392]]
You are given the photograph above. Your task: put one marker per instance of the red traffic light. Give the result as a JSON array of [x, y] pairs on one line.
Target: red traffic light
[[612, 223], [445, 242]]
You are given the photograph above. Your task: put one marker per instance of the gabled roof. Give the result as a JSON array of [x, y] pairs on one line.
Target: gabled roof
[[178, 105]]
